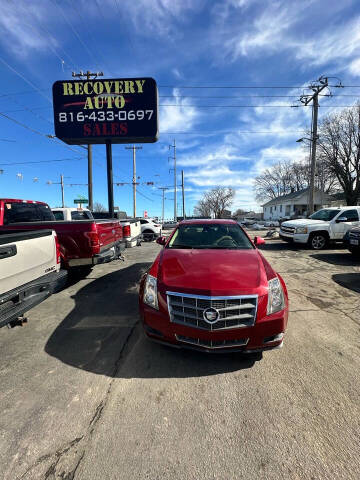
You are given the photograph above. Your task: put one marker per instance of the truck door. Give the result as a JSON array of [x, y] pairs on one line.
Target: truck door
[[344, 222]]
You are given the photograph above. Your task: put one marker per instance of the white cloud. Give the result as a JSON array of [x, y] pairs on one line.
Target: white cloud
[[19, 29], [180, 118], [354, 67]]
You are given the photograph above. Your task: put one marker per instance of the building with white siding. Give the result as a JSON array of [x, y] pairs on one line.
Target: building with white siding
[[293, 204]]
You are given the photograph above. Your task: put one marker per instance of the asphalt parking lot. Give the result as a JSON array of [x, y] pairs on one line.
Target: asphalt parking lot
[[85, 396]]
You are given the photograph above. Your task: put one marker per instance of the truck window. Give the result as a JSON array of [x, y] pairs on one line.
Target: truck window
[[45, 213], [59, 215], [19, 212], [80, 216], [143, 222], [351, 215]]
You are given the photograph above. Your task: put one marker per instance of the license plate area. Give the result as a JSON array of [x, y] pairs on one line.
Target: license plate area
[[354, 241]]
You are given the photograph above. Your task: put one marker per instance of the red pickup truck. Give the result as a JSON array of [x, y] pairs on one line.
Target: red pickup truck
[[83, 243]]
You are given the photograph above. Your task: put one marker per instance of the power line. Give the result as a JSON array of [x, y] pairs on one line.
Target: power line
[[25, 79], [250, 106], [44, 161], [76, 33]]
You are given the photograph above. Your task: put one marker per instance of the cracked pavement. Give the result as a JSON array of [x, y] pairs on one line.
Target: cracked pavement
[[85, 396]]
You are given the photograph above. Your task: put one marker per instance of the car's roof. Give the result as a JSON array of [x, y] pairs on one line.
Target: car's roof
[[212, 221]]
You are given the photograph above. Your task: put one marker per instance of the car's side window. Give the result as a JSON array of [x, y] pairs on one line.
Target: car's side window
[[351, 215]]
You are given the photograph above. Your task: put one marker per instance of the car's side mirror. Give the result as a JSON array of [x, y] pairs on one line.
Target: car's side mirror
[[342, 219], [161, 240], [259, 241]]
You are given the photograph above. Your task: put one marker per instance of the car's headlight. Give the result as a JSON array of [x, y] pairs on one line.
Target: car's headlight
[[150, 292], [276, 301], [301, 230]]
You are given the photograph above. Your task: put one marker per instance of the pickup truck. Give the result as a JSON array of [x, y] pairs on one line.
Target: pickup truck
[[131, 227], [322, 227], [29, 271], [70, 214], [83, 243]]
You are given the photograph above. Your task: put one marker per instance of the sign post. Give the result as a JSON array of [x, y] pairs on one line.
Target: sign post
[[106, 111]]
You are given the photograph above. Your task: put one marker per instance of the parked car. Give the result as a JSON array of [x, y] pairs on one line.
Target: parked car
[[149, 229], [322, 227], [211, 289], [352, 241], [70, 214], [29, 271], [170, 225], [131, 227], [83, 243]]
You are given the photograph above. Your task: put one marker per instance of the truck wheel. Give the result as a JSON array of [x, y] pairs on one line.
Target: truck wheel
[[148, 236], [318, 241]]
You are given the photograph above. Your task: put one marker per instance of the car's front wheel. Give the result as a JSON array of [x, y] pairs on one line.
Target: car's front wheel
[[318, 241]]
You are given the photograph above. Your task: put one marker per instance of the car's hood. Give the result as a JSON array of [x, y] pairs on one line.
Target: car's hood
[[212, 272], [303, 222]]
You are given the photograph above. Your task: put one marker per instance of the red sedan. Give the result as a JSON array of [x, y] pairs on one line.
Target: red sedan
[[211, 289]]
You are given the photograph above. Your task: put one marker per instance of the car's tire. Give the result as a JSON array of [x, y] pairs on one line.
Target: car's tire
[[355, 252], [148, 235], [318, 240]]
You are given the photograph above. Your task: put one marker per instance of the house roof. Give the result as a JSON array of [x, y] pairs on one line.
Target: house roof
[[289, 196]]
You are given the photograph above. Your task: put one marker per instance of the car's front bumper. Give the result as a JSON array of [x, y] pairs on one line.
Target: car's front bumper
[[294, 237], [266, 334]]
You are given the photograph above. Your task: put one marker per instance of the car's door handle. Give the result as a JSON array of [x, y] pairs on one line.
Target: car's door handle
[[8, 251]]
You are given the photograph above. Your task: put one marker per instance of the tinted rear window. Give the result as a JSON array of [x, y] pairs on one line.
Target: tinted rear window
[[59, 215], [18, 212], [81, 215]]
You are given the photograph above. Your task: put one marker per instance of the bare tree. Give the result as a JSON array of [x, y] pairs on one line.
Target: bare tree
[[339, 148], [286, 177], [202, 209], [215, 202], [99, 207]]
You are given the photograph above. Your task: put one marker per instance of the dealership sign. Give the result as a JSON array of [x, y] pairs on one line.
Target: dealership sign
[[106, 110]]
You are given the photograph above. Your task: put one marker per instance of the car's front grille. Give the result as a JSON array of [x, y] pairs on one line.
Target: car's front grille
[[196, 310], [354, 234], [287, 229], [199, 342]]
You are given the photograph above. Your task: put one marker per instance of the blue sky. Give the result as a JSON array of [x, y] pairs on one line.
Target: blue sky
[[181, 43]]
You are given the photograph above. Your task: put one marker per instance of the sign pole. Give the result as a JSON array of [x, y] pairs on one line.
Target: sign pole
[[110, 177]]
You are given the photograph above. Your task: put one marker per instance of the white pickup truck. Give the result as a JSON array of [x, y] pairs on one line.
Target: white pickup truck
[[131, 227], [68, 214], [29, 271], [322, 227]]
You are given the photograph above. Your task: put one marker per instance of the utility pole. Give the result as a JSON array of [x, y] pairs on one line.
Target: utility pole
[[175, 186], [183, 194], [134, 183], [90, 181], [317, 88], [163, 201], [88, 75], [62, 190]]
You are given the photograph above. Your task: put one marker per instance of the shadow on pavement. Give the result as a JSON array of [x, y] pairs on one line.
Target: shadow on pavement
[[348, 280], [280, 246], [94, 333], [152, 360], [343, 258]]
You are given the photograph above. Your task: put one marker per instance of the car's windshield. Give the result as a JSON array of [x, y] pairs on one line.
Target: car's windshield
[[326, 214], [212, 236]]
